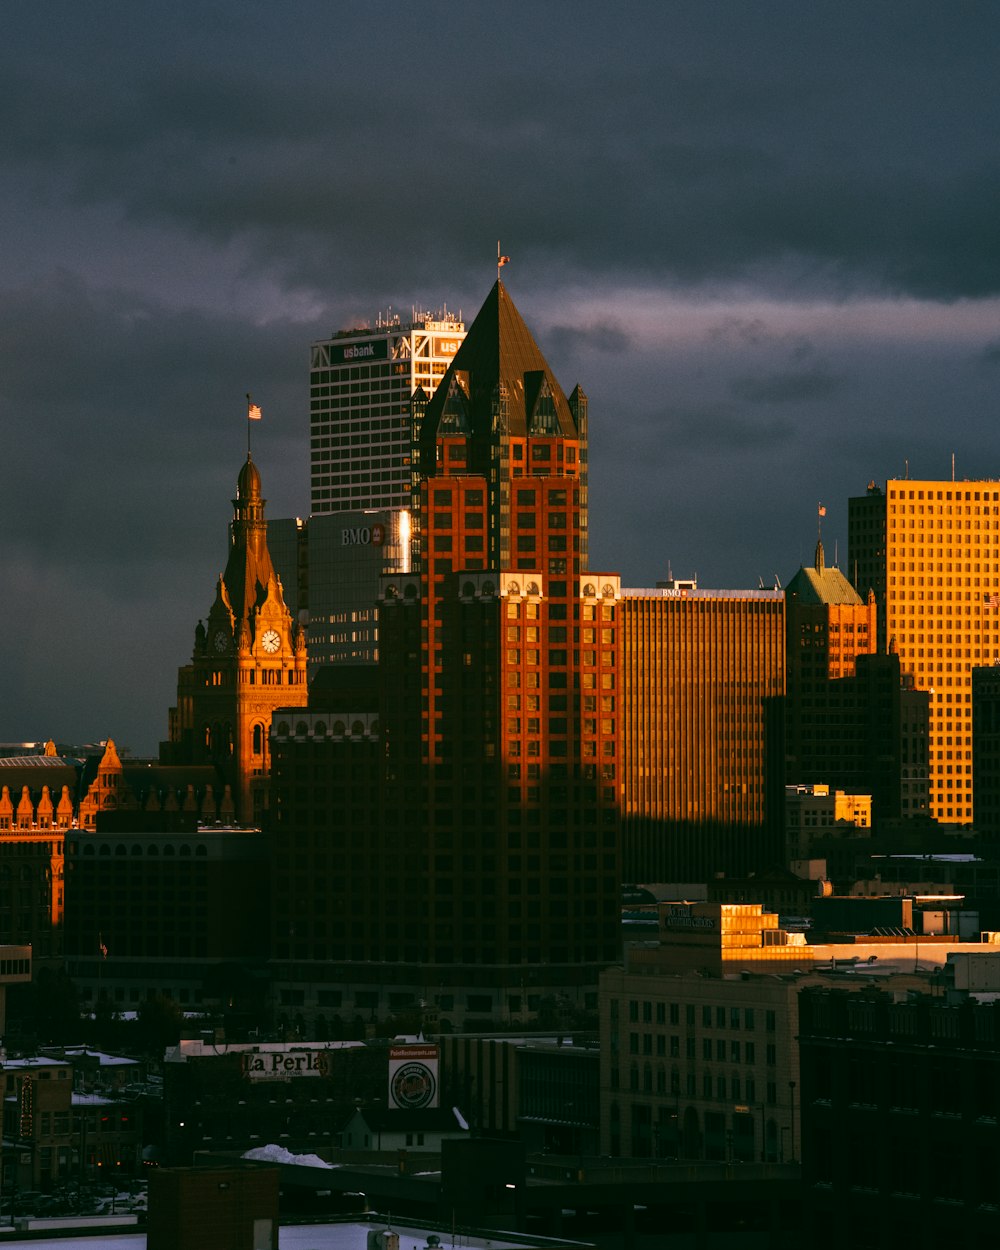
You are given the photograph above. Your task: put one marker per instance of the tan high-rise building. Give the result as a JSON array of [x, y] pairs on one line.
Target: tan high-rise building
[[931, 553], [703, 684]]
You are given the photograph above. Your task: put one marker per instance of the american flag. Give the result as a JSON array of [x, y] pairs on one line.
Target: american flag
[[991, 601]]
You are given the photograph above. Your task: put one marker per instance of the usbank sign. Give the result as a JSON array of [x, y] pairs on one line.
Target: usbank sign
[[359, 353]]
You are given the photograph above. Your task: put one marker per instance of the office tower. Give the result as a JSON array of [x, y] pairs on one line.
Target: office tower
[[249, 658], [931, 553], [702, 688], [348, 552], [844, 723], [828, 625], [361, 381], [475, 809], [986, 749]]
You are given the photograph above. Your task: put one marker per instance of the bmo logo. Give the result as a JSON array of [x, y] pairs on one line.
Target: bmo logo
[[363, 536]]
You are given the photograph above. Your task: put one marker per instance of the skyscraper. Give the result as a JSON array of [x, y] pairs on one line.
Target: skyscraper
[[361, 381], [476, 808], [931, 553], [703, 679]]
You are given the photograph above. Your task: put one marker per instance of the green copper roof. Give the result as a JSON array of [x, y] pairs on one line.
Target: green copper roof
[[822, 585]]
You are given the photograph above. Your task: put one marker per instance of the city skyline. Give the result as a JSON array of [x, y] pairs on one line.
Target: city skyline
[[761, 238]]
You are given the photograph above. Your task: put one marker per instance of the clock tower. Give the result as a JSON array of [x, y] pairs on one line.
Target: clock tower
[[249, 658]]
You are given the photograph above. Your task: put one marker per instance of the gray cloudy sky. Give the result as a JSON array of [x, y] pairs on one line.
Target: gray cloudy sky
[[762, 236]]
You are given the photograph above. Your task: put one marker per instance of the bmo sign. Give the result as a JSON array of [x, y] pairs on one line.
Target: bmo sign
[[363, 536]]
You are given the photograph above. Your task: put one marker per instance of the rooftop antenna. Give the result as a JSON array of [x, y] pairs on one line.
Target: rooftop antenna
[[501, 260], [953, 466], [906, 473]]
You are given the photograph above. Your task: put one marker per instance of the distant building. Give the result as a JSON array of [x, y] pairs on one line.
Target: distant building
[[813, 813], [986, 749], [361, 383], [59, 1133], [37, 806], [241, 1096], [699, 1057], [348, 555], [899, 1101], [249, 658], [849, 709], [467, 850], [179, 911], [930, 551], [703, 682], [382, 1130]]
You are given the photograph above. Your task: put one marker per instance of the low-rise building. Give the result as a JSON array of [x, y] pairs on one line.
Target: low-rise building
[[812, 813], [900, 1099], [699, 1057]]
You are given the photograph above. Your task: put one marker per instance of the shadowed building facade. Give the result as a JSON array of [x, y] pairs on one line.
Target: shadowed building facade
[[702, 686], [849, 707], [489, 851]]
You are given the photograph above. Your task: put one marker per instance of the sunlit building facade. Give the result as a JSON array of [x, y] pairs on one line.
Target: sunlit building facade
[[471, 845], [930, 551], [703, 680], [360, 384]]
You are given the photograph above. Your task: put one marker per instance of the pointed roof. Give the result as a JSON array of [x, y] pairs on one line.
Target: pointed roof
[[249, 572], [821, 585], [499, 347]]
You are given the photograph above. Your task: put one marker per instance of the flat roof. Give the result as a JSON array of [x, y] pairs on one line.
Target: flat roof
[[348, 1235]]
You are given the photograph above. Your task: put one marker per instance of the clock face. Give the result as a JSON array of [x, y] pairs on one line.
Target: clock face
[[220, 640], [271, 640]]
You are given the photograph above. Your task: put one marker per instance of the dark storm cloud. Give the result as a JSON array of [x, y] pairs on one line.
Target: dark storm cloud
[[706, 431], [785, 388], [117, 407], [990, 354], [190, 194], [575, 340], [688, 142]]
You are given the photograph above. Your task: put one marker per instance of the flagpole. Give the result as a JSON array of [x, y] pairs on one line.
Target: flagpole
[[249, 404]]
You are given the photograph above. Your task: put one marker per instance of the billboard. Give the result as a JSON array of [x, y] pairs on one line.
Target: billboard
[[413, 1077], [284, 1065]]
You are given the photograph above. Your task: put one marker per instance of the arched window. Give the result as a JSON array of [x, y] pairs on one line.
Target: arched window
[[258, 739]]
